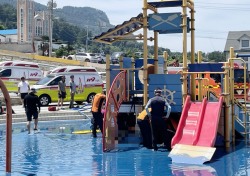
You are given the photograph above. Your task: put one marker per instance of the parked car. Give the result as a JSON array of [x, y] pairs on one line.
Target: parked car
[[101, 58], [115, 57], [86, 57]]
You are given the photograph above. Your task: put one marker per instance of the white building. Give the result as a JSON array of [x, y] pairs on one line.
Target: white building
[[240, 41], [41, 22], [8, 36]]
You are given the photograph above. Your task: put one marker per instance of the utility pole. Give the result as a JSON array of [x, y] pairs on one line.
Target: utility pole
[[87, 39], [50, 6]]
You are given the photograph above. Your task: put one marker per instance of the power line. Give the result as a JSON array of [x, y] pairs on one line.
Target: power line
[[223, 4]]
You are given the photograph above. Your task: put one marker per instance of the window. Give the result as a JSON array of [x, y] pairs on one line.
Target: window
[[45, 80], [239, 76], [245, 43], [5, 73], [81, 54], [55, 81]]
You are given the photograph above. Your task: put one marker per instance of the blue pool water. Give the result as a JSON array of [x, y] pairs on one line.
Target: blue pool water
[[54, 152]]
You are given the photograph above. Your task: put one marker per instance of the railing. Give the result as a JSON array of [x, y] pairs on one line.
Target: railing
[[8, 126], [242, 118], [116, 95], [14, 54]]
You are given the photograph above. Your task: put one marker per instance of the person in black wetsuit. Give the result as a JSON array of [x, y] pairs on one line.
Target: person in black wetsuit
[[159, 106], [32, 108]]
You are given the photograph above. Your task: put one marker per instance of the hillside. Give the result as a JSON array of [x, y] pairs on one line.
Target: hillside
[[96, 20]]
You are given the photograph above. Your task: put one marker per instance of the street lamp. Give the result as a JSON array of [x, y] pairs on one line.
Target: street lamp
[[51, 5]]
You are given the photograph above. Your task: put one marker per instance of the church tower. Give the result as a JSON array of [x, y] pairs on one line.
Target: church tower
[[25, 20]]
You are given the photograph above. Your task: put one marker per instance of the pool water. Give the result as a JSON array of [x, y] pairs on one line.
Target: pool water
[[56, 152]]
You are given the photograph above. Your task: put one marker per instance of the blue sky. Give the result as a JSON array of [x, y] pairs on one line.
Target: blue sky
[[214, 19]]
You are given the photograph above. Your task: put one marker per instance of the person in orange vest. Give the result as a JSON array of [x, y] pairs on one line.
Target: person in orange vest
[[96, 110]]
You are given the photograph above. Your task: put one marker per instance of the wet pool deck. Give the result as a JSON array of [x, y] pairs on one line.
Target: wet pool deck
[[45, 115]]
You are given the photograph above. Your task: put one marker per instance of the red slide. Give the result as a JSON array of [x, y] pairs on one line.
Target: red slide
[[198, 123], [210, 124], [190, 122]]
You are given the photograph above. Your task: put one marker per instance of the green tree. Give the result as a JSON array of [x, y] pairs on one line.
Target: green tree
[[2, 27], [216, 56], [8, 16], [62, 51]]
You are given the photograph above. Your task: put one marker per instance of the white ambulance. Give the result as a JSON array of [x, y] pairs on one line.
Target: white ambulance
[[12, 71], [87, 80]]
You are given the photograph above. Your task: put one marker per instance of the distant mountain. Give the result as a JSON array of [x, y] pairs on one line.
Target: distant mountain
[[96, 20], [84, 17]]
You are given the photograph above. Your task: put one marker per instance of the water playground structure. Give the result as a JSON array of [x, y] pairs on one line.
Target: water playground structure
[[203, 115], [198, 116]]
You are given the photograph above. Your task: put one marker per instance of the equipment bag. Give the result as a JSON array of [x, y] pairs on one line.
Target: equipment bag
[[52, 108]]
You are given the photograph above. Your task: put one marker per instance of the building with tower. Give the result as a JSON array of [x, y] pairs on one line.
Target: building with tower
[[25, 20], [31, 24]]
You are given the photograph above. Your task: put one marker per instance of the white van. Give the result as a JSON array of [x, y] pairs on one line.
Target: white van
[[12, 71], [87, 80]]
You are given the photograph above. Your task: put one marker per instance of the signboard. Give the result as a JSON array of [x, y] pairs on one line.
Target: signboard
[[166, 22]]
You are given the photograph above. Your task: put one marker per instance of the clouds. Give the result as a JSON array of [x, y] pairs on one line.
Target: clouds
[[214, 19]]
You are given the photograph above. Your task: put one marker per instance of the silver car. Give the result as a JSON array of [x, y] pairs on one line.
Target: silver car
[[81, 56], [101, 58]]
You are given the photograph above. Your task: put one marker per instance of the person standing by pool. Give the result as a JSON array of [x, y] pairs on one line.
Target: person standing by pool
[[72, 86], [61, 91], [96, 110], [32, 108], [23, 88], [158, 106]]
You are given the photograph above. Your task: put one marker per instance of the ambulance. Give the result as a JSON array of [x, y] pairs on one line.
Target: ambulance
[[12, 71], [87, 80]]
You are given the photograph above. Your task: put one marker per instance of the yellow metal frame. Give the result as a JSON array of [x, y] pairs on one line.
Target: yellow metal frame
[[185, 4], [231, 61]]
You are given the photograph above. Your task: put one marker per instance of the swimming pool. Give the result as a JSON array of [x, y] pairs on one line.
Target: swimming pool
[[55, 152]]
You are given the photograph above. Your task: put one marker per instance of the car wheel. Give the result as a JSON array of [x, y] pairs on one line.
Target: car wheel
[[79, 102], [87, 60], [102, 61], [70, 58], [44, 100], [90, 97]]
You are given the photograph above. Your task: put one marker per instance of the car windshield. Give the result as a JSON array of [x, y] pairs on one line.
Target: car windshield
[[45, 80]]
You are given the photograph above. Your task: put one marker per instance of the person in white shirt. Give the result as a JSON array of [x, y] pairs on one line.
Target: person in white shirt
[[23, 89]]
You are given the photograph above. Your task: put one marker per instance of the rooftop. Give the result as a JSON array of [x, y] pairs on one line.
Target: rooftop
[[8, 32]]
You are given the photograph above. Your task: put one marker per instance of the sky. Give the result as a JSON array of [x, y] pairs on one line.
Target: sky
[[213, 19]]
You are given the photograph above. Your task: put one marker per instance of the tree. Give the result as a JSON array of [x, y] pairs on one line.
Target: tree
[[62, 51], [2, 27], [216, 56]]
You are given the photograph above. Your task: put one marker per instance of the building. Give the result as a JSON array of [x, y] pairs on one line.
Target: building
[[240, 41], [8, 36], [25, 20], [41, 23]]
